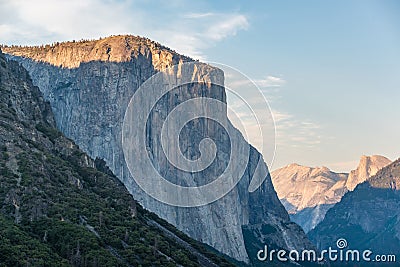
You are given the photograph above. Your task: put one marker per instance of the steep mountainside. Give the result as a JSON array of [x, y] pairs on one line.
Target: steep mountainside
[[89, 85], [61, 208], [368, 217], [308, 193]]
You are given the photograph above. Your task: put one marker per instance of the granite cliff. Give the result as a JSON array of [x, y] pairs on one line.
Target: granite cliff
[[59, 207], [89, 85]]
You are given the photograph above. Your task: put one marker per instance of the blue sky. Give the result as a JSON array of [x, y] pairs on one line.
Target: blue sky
[[330, 69]]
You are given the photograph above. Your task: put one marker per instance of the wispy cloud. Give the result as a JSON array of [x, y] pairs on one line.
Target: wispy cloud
[[292, 131], [200, 31], [225, 25], [198, 15], [270, 81], [46, 21], [295, 132]]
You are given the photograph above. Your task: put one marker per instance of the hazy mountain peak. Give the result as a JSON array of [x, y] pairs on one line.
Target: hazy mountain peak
[[304, 186], [294, 165], [367, 167], [308, 192], [300, 173]]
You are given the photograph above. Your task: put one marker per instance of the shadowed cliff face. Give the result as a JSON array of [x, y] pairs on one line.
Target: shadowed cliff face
[[58, 207], [89, 86]]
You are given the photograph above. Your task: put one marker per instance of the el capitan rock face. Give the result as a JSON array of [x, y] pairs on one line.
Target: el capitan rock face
[[89, 85], [59, 207], [308, 193]]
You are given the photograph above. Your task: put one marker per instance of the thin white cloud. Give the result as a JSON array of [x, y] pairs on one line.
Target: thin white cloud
[[291, 130], [189, 45], [294, 132], [198, 15], [270, 81], [203, 30], [226, 26], [267, 82], [44, 21]]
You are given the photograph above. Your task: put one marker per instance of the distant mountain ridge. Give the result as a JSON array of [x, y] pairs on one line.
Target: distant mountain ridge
[[305, 187], [308, 193], [368, 217]]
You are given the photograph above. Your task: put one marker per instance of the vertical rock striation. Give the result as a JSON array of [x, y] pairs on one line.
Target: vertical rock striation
[[89, 85], [59, 207]]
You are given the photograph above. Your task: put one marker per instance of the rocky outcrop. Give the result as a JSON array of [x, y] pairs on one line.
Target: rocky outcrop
[[368, 166], [89, 85], [308, 193], [368, 217]]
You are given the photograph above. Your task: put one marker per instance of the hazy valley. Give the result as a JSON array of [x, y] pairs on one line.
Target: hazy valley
[[308, 193]]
